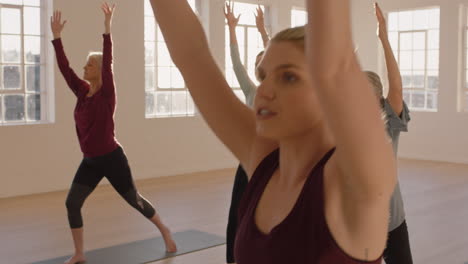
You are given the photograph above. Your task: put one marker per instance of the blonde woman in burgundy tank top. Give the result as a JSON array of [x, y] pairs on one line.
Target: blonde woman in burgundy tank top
[[320, 167]]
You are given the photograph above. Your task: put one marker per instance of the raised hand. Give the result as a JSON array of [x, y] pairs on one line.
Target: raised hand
[[260, 19], [56, 24], [108, 13], [381, 23], [232, 20]]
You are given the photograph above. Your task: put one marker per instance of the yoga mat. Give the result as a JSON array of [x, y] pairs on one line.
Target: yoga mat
[[149, 250]]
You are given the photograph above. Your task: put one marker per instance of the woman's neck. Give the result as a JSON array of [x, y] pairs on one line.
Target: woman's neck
[[94, 87], [299, 155]]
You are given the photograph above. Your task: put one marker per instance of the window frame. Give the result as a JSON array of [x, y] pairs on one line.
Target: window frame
[[46, 74], [397, 51], [190, 109]]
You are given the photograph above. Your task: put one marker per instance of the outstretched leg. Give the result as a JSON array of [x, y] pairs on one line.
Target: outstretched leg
[[86, 179], [119, 174]]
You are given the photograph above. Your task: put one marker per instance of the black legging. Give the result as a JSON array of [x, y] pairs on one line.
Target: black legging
[[114, 166], [398, 249], [240, 183]]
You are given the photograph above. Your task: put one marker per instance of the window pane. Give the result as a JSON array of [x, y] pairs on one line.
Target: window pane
[[164, 77], [406, 78], [179, 103], [32, 2], [11, 77], [433, 80], [432, 102], [190, 105], [406, 60], [163, 103], [419, 99], [12, 2], [148, 8], [149, 79], [419, 41], [253, 38], [420, 19], [433, 39], [32, 49], [406, 41], [34, 107], [393, 39], [11, 48], [433, 59], [393, 21], [240, 34], [164, 58], [434, 18], [32, 21], [159, 35], [177, 81], [419, 60], [11, 21], [406, 96], [33, 78], [150, 103], [150, 27], [14, 107], [149, 53], [418, 79], [405, 20], [298, 18]]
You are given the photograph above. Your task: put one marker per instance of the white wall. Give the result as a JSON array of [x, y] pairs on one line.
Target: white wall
[[441, 136], [43, 158]]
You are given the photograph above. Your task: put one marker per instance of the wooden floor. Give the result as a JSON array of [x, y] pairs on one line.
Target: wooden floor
[[34, 228]]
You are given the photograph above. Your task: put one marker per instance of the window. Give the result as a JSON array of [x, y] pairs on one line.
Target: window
[[414, 36], [298, 17], [464, 92], [166, 93], [22, 66], [250, 43]]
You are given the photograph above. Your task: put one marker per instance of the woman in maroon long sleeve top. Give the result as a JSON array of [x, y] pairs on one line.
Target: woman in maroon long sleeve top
[[94, 117]]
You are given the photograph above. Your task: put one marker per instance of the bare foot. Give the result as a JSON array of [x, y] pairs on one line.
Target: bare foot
[[171, 246], [76, 259]]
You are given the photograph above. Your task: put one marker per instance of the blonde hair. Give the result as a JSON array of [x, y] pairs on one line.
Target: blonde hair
[[295, 35], [376, 83], [96, 56]]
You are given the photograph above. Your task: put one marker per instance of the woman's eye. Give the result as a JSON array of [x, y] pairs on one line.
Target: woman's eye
[[289, 77]]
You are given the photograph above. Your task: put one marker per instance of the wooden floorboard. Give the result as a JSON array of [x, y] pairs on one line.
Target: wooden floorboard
[[35, 227]]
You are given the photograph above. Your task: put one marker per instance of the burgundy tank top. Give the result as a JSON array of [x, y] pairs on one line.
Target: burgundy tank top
[[302, 238]]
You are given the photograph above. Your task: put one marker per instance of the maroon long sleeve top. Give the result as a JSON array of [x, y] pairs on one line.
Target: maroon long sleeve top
[[94, 115]]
